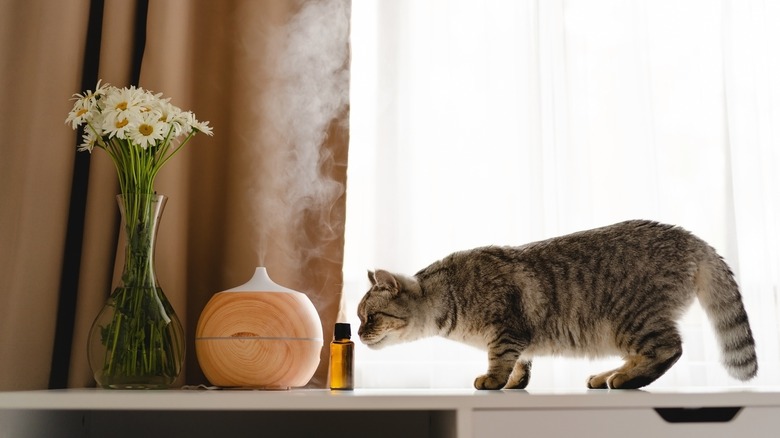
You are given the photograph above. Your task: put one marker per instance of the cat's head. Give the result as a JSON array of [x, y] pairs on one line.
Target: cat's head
[[389, 311]]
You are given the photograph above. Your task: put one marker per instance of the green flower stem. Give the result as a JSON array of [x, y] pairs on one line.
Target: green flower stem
[[172, 153], [137, 167], [114, 342]]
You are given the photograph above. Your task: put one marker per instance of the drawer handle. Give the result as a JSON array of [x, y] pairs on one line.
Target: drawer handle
[[698, 415]]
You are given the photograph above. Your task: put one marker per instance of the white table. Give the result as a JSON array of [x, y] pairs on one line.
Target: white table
[[390, 413]]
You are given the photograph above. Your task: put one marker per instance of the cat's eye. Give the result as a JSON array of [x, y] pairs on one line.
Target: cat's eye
[[370, 319]]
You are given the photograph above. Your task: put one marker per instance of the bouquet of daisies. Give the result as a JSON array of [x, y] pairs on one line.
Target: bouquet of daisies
[[139, 130]]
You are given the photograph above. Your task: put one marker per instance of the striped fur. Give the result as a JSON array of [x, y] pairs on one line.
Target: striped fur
[[617, 290]]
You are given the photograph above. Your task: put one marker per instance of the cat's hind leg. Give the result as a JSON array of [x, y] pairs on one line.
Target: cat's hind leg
[[520, 375], [652, 356]]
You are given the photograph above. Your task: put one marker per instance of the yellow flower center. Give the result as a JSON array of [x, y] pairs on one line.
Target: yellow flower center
[[145, 130], [121, 106], [122, 123], [81, 112]]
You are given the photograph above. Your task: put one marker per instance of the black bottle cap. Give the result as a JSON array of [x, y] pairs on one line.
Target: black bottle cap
[[342, 331]]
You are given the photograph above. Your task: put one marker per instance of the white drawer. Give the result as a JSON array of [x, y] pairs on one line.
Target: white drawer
[[630, 422]]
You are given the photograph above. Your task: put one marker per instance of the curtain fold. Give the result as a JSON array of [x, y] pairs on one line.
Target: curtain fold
[[41, 65], [266, 190]]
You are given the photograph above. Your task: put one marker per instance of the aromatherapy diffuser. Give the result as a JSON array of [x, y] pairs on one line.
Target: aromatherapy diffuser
[[259, 335]]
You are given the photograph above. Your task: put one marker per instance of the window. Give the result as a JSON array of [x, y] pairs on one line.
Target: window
[[504, 122]]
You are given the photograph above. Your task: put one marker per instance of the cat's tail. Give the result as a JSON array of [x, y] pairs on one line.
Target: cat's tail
[[719, 295]]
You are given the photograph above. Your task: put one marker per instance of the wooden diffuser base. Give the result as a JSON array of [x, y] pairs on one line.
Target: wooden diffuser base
[[259, 335]]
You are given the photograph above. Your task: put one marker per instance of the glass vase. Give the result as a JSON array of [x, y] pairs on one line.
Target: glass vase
[[137, 341]]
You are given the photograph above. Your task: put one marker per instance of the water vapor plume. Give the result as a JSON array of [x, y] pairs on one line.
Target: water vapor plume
[[304, 104]]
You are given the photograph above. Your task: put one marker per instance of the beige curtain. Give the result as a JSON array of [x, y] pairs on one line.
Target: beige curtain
[[272, 77]]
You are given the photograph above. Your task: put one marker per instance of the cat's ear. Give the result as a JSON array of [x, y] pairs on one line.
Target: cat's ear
[[393, 283], [387, 279]]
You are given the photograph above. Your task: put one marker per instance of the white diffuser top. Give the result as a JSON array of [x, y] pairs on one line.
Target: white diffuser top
[[260, 282]]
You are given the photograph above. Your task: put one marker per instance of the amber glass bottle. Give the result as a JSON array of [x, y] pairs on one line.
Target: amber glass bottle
[[342, 366]]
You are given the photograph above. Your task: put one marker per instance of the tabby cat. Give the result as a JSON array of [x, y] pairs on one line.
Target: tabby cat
[[616, 290]]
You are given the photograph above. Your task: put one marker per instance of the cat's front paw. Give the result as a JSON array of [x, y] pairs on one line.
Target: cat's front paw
[[489, 381], [599, 381]]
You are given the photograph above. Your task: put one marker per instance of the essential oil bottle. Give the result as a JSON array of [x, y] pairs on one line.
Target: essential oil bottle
[[342, 365]]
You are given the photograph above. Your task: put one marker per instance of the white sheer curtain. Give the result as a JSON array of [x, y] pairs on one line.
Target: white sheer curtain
[[502, 122]]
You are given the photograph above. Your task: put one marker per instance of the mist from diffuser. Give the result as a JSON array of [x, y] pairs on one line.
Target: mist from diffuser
[[304, 91], [259, 335]]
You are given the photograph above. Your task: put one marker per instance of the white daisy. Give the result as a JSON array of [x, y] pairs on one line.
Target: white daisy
[[203, 127], [150, 102], [185, 120], [89, 98], [116, 127], [148, 131], [95, 124], [168, 114], [78, 115], [88, 141], [122, 107]]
